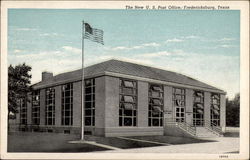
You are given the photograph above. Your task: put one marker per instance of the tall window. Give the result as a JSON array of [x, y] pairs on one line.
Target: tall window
[[179, 104], [50, 106], [90, 102], [198, 108], [155, 107], [36, 107], [23, 111], [67, 104], [128, 103], [215, 109]]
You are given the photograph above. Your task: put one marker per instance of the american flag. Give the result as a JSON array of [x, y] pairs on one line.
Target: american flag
[[93, 34]]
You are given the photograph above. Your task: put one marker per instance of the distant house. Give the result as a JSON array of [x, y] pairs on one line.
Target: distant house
[[125, 99]]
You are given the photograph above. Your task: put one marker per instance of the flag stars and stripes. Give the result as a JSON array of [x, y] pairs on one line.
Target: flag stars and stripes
[[93, 34]]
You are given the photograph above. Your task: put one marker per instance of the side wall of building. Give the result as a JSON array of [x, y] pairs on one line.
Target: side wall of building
[[77, 107], [142, 104], [42, 107], [100, 106], [29, 110], [112, 127], [58, 106], [111, 103], [58, 127], [207, 107], [168, 105], [107, 91], [189, 106]]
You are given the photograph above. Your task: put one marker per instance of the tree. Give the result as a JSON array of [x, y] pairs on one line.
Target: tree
[[18, 85], [233, 111]]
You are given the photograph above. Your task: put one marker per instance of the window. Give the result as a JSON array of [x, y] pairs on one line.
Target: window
[[215, 109], [198, 108], [36, 107], [155, 107], [90, 102], [23, 111], [179, 104], [67, 104], [50, 106], [128, 103]]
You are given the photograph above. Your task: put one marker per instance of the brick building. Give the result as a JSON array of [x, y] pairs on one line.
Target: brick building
[[124, 99]]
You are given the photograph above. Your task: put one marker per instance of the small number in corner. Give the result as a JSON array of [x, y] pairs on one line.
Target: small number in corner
[[223, 156]]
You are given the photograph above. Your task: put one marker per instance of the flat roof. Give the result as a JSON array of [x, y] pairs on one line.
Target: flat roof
[[124, 68]]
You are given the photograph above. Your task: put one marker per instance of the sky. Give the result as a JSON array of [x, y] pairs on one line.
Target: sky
[[204, 44]]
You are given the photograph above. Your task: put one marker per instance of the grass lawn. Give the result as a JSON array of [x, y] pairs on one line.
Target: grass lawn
[[56, 142], [127, 143], [47, 142], [171, 140], [121, 143]]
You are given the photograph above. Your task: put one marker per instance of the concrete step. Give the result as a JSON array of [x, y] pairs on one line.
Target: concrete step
[[175, 130]]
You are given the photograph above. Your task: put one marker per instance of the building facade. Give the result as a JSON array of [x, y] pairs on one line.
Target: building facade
[[124, 99]]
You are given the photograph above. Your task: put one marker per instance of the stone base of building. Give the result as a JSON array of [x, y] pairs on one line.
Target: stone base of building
[[105, 132], [50, 129], [169, 130], [133, 131]]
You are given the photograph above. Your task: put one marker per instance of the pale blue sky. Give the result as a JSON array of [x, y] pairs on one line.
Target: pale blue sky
[[202, 44]]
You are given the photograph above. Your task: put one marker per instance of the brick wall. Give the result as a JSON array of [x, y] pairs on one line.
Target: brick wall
[[99, 105], [107, 108], [42, 107], [142, 104], [111, 102], [58, 106], [189, 106], [77, 104], [112, 127], [168, 107], [29, 110], [133, 131], [207, 106]]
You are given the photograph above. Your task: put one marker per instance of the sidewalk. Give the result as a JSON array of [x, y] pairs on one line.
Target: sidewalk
[[224, 145]]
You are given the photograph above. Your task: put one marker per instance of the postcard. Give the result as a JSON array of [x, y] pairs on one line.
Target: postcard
[[124, 80]]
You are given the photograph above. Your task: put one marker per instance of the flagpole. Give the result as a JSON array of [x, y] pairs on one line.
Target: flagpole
[[83, 89]]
